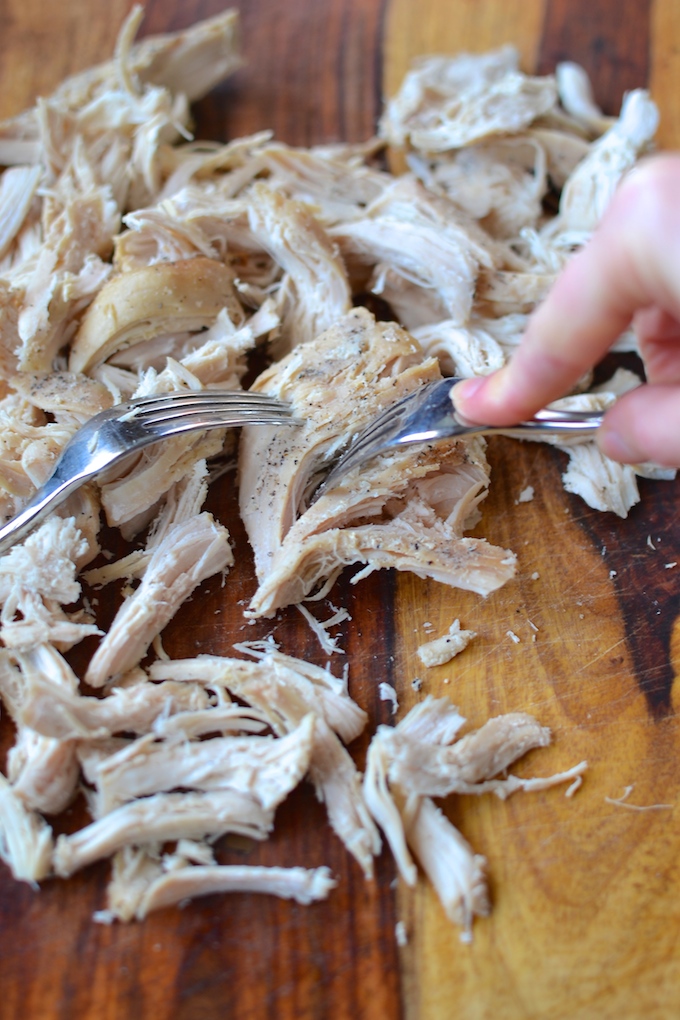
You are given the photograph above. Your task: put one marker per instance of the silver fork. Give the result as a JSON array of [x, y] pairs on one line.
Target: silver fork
[[428, 414], [114, 434]]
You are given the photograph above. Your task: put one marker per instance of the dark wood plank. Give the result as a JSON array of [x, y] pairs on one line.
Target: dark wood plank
[[610, 40], [312, 75]]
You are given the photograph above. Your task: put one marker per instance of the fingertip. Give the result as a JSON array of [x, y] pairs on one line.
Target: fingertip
[[464, 392], [617, 446], [643, 426], [479, 400]]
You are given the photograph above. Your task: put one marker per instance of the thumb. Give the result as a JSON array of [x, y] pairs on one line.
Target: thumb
[[644, 425]]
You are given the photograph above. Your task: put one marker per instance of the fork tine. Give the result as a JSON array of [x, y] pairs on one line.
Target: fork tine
[[164, 406], [191, 421], [385, 425]]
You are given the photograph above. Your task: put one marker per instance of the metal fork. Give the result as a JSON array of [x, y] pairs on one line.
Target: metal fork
[[114, 434], [428, 414]]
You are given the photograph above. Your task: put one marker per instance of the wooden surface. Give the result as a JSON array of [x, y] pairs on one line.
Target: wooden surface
[[586, 917]]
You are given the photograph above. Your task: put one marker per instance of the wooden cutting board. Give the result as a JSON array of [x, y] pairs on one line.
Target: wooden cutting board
[[586, 893]]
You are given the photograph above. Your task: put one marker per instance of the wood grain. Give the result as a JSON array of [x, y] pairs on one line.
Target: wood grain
[[582, 925], [586, 893], [242, 956]]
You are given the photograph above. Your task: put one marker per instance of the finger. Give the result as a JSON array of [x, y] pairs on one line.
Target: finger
[[658, 335], [644, 425], [631, 263]]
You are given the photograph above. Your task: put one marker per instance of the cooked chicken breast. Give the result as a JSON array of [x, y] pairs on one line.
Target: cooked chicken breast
[[407, 510]]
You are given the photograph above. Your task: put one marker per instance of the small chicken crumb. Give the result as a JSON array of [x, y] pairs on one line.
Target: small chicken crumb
[[650, 543], [612, 573], [388, 693], [401, 934], [513, 637], [573, 787], [526, 495], [535, 576], [416, 683], [443, 649], [669, 566]]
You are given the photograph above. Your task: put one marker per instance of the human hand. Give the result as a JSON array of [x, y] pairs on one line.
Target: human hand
[[628, 271]]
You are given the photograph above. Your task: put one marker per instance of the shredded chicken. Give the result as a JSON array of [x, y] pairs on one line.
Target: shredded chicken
[[423, 756], [417, 502], [136, 261]]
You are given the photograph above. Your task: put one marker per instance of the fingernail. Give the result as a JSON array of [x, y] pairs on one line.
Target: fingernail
[[466, 389], [617, 447]]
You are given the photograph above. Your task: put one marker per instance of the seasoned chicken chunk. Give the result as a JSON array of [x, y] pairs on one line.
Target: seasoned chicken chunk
[[408, 509]]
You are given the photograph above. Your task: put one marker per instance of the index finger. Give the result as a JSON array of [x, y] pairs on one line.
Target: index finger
[[631, 262]]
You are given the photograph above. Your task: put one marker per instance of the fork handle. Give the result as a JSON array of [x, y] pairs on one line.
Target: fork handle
[[550, 422]]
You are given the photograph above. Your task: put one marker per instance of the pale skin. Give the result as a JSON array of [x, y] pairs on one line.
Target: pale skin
[[628, 272]]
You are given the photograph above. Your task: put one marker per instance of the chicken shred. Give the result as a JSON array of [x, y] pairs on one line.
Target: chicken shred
[[136, 261]]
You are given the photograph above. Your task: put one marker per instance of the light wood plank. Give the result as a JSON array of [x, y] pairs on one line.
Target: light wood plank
[[664, 81], [584, 919]]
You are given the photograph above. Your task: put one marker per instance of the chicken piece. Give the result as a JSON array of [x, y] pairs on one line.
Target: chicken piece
[[501, 183], [463, 351], [433, 79], [285, 690], [224, 719], [220, 358], [411, 304], [132, 500], [576, 96], [398, 794], [63, 393], [413, 823], [443, 649], [43, 771], [183, 501], [25, 838], [408, 509], [170, 297], [319, 292], [18, 186], [460, 100], [68, 271], [604, 484], [589, 189], [56, 712], [201, 219], [380, 801], [563, 152], [36, 580], [22, 425], [456, 872], [338, 786], [264, 768], [300, 884], [117, 119], [437, 771], [142, 883], [190, 62], [165, 816], [190, 553], [510, 293], [433, 721], [296, 687], [425, 238], [335, 189]]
